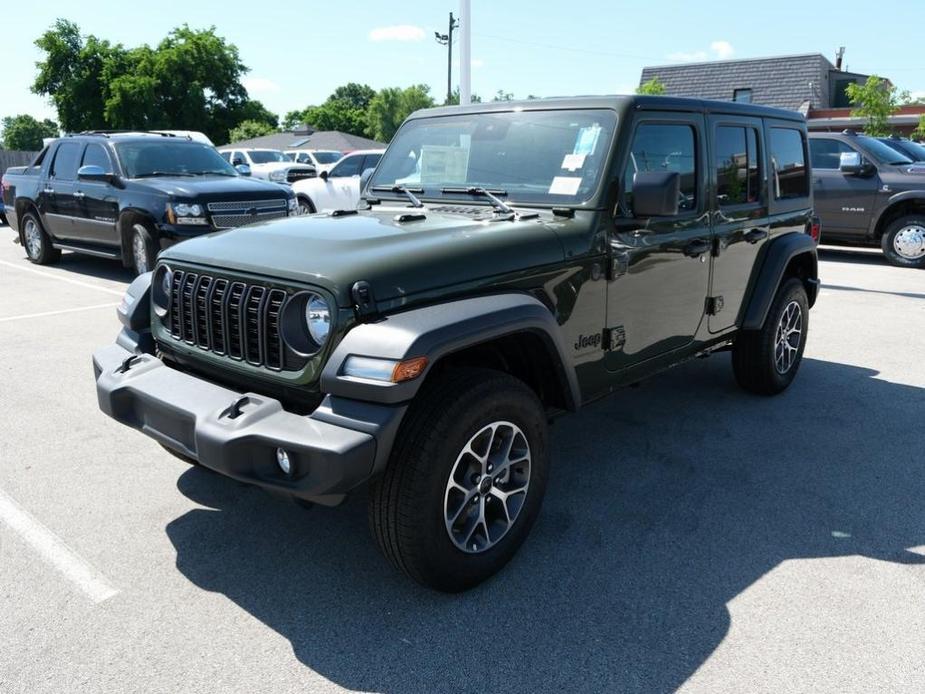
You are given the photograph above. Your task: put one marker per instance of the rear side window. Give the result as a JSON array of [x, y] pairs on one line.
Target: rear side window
[[788, 160], [664, 147], [737, 170], [95, 155], [826, 154], [64, 166]]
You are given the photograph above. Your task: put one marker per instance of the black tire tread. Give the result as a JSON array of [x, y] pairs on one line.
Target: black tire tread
[[886, 241], [50, 255]]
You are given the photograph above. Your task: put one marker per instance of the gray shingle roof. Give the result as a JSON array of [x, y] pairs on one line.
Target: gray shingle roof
[[320, 139], [787, 81]]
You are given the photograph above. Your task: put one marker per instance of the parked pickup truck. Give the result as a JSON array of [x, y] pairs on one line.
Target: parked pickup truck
[[127, 196], [512, 261], [869, 193]]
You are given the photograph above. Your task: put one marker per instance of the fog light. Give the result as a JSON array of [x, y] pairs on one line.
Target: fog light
[[282, 458]]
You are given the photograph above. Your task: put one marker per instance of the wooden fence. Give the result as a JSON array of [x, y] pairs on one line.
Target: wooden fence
[[10, 157]]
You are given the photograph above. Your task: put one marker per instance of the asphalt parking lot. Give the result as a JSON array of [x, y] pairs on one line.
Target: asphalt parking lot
[[692, 536]]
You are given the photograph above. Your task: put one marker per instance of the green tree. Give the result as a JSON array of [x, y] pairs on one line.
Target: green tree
[[335, 114], [191, 80], [355, 95], [454, 100], [919, 133], [654, 86], [875, 101], [25, 133], [502, 95], [249, 129], [391, 106]]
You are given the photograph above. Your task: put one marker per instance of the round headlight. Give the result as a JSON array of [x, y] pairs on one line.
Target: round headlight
[[182, 209], [160, 290], [318, 319], [195, 211], [278, 175]]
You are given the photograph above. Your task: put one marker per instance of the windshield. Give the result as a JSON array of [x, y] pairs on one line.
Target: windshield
[[884, 153], [911, 149], [265, 156], [163, 157], [327, 157], [551, 157]]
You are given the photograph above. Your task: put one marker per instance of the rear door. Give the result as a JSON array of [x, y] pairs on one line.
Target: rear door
[[61, 206], [97, 204], [657, 293], [740, 212], [843, 202]]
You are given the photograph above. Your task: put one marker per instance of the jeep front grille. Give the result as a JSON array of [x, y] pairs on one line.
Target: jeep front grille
[[228, 317], [237, 213]]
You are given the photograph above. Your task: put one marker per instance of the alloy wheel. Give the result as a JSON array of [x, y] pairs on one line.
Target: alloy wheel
[[487, 487], [788, 337], [33, 238], [139, 250]]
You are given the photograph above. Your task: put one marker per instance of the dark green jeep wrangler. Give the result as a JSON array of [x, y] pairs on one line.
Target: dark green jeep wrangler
[[510, 262]]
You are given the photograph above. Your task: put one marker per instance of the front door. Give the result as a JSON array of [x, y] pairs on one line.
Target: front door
[[844, 202], [97, 203], [740, 214], [660, 274]]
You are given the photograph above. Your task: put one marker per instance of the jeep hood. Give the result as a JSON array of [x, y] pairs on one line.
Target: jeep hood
[[397, 258]]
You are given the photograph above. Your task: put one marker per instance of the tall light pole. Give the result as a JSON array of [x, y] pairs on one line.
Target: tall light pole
[[447, 40], [465, 52]]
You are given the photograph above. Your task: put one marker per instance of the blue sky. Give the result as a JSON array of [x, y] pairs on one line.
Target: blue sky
[[299, 51]]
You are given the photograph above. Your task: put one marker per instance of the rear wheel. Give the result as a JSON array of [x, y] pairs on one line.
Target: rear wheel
[[143, 251], [766, 361], [465, 479], [37, 241], [903, 242]]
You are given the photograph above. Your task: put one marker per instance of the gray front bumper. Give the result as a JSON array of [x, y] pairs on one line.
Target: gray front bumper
[[333, 450]]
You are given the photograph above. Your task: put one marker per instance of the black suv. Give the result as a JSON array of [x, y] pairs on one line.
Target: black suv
[[513, 261], [128, 195], [868, 193]]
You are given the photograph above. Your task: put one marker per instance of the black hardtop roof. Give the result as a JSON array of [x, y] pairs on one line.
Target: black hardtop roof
[[618, 103]]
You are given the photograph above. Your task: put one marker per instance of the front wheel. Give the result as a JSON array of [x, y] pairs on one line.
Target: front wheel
[[903, 242], [305, 206], [143, 250], [465, 480], [766, 361]]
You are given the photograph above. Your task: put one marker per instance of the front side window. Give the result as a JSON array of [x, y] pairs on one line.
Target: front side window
[[95, 155], [549, 157], [267, 156], [664, 147], [737, 172], [371, 161], [64, 166], [226, 156], [825, 154], [156, 157], [788, 161], [349, 166]]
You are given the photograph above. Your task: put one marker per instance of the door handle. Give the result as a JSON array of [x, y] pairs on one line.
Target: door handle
[[696, 248], [79, 195], [756, 235]]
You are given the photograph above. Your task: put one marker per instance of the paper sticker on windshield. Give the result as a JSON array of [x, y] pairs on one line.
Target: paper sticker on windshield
[[565, 185], [441, 164], [573, 162]]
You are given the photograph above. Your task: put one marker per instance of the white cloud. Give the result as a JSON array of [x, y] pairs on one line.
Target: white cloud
[[719, 50], [722, 49], [400, 32], [260, 85]]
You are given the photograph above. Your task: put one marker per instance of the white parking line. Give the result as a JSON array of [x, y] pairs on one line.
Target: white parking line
[[117, 292], [55, 552], [55, 313]]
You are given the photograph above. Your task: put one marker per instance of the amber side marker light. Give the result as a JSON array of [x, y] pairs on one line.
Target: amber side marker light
[[409, 369]]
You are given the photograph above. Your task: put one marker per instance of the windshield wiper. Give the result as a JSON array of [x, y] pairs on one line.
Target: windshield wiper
[[211, 173], [495, 201], [407, 192], [148, 174]]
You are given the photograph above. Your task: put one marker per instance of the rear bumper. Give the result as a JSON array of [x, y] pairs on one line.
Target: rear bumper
[[333, 450]]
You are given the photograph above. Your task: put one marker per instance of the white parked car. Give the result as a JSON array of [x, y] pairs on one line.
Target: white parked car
[[321, 159], [269, 164], [339, 188]]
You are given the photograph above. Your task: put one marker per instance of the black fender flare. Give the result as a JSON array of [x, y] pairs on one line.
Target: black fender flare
[[779, 253], [438, 330], [905, 196], [121, 222]]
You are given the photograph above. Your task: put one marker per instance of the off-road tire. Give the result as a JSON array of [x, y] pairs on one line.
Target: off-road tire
[[141, 233], [406, 504], [887, 241], [754, 356], [39, 250]]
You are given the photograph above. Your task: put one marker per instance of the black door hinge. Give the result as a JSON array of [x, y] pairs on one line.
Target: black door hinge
[[614, 338], [714, 305]]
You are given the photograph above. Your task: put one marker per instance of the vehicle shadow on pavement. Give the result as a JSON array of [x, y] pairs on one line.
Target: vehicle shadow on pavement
[[855, 255], [80, 264], [665, 502]]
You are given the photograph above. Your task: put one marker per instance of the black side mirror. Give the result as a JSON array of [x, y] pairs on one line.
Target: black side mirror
[[91, 172], [364, 178], [323, 175], [243, 169], [237, 161], [656, 193]]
